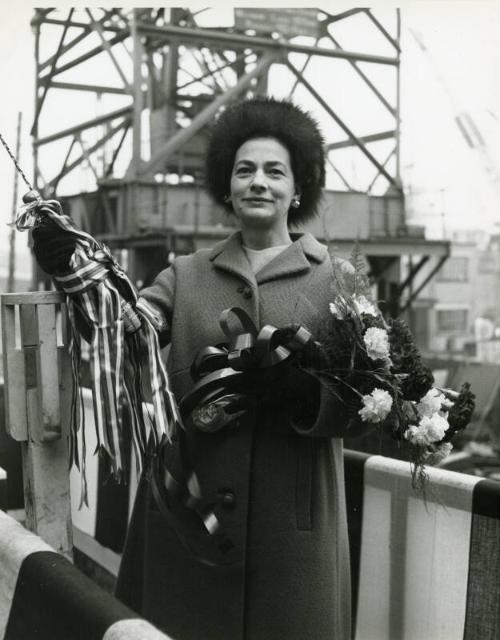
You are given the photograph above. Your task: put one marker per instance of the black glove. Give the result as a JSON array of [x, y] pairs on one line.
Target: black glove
[[53, 247], [303, 391]]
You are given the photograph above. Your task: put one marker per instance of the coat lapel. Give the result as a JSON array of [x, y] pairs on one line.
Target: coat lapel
[[230, 256], [294, 259]]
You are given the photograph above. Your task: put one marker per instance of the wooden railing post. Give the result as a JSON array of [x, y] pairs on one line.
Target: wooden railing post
[[38, 386]]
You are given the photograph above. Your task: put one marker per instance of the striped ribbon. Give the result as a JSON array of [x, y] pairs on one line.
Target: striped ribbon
[[102, 293]]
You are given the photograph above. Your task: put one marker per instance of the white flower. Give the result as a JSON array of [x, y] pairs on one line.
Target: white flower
[[363, 305], [376, 406], [417, 436], [431, 403], [446, 403], [338, 307], [335, 311], [342, 307], [439, 453], [377, 343], [435, 426], [429, 430]]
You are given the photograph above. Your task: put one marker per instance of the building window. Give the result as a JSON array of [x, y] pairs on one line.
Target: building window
[[452, 319], [454, 270]]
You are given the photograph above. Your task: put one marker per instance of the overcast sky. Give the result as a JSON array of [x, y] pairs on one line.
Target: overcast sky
[[450, 62]]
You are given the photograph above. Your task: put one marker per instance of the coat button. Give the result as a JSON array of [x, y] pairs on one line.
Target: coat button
[[228, 499]]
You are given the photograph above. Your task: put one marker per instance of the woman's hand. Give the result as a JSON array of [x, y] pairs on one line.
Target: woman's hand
[[53, 247], [303, 396]]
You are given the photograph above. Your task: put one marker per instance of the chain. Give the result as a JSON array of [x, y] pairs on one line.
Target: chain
[[15, 162]]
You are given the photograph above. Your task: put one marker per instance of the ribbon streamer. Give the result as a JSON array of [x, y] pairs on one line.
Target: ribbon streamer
[[97, 289]]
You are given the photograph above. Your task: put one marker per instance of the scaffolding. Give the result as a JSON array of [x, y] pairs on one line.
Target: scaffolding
[[169, 72]]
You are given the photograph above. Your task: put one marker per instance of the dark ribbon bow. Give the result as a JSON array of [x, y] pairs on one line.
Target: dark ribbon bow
[[244, 357], [223, 376]]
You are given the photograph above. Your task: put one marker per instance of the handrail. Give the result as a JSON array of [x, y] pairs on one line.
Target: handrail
[[423, 565], [44, 596]]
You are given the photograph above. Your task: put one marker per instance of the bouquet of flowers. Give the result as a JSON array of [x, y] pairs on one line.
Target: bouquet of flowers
[[375, 367]]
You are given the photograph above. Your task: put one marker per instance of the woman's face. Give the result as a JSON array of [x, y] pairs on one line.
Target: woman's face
[[262, 183]]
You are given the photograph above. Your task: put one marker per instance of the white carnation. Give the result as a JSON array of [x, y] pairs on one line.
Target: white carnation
[[439, 453], [338, 307], [429, 430], [335, 311], [446, 403], [376, 406], [417, 436], [431, 403], [435, 426], [377, 343], [363, 305]]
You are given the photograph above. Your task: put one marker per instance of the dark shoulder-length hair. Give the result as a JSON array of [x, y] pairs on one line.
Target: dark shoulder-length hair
[[269, 118]]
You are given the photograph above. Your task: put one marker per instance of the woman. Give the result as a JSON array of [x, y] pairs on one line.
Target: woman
[[275, 486]]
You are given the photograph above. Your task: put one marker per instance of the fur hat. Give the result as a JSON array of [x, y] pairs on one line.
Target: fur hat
[[279, 119]]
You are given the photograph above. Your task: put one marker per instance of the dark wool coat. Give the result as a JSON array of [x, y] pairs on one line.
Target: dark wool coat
[[278, 493]]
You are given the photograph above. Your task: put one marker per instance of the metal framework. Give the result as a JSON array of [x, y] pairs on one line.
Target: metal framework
[[223, 63], [175, 67]]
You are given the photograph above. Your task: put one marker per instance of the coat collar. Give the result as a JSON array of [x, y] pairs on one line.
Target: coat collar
[[230, 256]]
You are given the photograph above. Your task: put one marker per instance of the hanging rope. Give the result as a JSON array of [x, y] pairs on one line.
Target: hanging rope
[[14, 160]]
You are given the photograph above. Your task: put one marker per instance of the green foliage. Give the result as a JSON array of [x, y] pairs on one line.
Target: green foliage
[[406, 360], [461, 412]]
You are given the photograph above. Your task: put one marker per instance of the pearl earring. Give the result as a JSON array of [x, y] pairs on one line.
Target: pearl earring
[[295, 202]]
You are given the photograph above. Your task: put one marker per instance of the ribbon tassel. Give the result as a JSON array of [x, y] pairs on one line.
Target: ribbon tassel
[[103, 294]]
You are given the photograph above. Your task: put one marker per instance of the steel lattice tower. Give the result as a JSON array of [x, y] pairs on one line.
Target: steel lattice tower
[[166, 78]]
